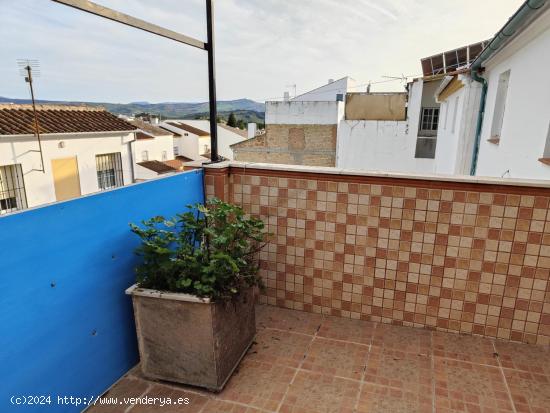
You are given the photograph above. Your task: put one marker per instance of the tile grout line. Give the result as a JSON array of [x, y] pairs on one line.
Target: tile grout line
[[504, 378], [298, 369], [358, 397], [323, 337]]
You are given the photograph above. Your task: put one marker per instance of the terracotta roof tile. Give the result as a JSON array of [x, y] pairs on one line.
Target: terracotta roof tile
[[142, 136], [19, 120], [151, 129], [189, 128], [157, 166]]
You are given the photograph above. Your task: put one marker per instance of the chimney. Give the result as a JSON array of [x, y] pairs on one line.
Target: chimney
[[286, 97], [251, 128], [330, 81]]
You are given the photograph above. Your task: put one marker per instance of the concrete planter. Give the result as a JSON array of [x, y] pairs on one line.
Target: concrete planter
[[186, 339]]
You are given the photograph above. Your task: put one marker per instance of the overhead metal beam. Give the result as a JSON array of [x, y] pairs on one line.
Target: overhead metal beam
[[118, 17]]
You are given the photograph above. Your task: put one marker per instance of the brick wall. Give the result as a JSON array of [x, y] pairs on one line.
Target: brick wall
[[291, 144], [458, 255]]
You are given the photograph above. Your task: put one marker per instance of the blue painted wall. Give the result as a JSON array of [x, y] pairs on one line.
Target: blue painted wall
[[66, 326]]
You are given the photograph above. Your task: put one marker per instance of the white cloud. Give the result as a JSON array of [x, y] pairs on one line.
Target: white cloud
[[262, 45]]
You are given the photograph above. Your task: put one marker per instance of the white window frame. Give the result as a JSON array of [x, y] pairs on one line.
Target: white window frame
[[13, 196], [144, 156], [164, 155], [109, 171]]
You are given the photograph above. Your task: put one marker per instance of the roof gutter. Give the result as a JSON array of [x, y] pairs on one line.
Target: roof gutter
[[526, 13]]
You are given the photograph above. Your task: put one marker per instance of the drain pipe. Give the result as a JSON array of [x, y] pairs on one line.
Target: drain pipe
[[479, 124], [528, 11]]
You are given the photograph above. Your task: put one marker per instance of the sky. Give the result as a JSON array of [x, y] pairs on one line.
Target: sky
[[262, 46]]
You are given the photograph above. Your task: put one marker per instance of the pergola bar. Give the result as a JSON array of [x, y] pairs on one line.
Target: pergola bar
[[101, 11]]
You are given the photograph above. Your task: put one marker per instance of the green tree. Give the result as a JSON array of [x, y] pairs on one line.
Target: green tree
[[232, 121]]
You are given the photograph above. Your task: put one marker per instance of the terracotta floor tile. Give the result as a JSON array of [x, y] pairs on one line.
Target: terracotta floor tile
[[526, 357], [220, 406], [467, 387], [337, 358], [174, 400], [260, 385], [319, 393], [284, 319], [406, 371], [530, 392], [279, 347], [466, 348], [127, 387], [357, 331], [407, 339], [381, 399]]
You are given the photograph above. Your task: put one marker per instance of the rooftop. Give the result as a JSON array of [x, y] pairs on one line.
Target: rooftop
[[189, 128], [19, 120], [150, 129], [158, 166], [302, 362]]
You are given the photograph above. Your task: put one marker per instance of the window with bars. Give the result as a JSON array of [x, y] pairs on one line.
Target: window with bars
[[429, 121], [109, 170], [12, 189]]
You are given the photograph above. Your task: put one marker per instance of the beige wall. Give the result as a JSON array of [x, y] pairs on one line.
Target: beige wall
[[291, 144], [376, 106]]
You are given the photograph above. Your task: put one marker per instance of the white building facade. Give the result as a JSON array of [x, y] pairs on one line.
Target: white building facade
[[515, 136], [192, 139], [84, 150]]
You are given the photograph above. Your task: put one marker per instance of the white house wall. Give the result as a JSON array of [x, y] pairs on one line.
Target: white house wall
[[154, 148], [455, 145], [39, 186], [328, 92], [383, 145], [303, 112], [527, 112], [226, 138]]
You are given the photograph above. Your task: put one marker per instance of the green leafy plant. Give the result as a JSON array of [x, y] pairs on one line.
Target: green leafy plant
[[209, 251]]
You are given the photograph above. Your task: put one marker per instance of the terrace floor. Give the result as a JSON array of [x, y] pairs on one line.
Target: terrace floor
[[308, 363]]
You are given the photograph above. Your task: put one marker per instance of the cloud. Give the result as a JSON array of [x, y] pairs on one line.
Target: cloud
[[262, 45]]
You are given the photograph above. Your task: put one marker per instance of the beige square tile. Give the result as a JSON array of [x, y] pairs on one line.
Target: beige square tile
[[260, 385], [339, 328], [382, 399], [315, 393], [283, 319], [337, 358], [279, 347]]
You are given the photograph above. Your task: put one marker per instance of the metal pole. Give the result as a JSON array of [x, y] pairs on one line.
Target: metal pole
[[212, 80], [29, 79]]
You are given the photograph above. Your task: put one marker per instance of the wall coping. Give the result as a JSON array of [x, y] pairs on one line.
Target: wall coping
[[534, 183]]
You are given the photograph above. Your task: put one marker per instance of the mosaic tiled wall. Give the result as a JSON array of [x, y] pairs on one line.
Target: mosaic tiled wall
[[453, 256]]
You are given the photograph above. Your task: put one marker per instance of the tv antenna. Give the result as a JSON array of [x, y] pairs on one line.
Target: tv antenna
[[29, 68], [403, 78]]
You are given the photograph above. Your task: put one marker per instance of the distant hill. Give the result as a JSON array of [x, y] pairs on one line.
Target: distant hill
[[245, 109]]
